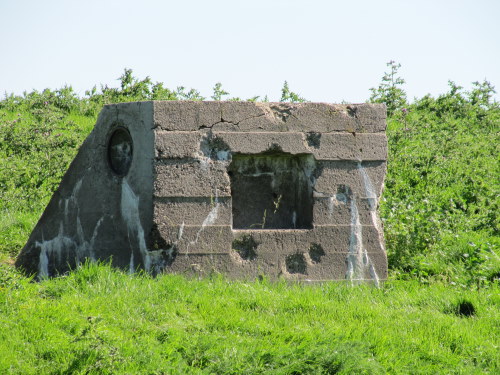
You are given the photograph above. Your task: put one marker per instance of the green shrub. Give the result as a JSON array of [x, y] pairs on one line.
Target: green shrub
[[442, 187]]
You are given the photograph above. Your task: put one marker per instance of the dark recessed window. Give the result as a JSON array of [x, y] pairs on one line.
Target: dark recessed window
[[120, 150], [271, 191]]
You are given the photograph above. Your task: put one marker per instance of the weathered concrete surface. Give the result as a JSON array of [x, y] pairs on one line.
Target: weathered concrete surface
[[95, 213], [327, 146], [272, 117], [246, 189]]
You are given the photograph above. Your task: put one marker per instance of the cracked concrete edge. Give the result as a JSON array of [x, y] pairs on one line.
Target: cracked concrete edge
[[333, 146], [276, 117]]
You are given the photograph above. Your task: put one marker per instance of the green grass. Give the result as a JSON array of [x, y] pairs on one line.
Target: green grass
[[100, 320]]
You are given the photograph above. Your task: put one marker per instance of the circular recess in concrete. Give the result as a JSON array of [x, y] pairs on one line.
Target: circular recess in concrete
[[120, 150]]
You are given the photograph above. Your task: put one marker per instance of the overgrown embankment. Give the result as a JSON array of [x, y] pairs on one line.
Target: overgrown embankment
[[440, 211]]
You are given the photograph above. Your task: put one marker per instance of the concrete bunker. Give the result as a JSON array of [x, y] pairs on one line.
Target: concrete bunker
[[245, 189]]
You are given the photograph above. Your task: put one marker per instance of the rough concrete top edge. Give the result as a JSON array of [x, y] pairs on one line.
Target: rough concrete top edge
[[269, 116], [256, 102], [377, 109], [291, 104], [381, 106], [124, 104]]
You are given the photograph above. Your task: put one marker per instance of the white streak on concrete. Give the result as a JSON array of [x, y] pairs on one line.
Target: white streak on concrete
[[209, 220], [204, 162], [130, 213], [212, 216], [52, 247], [79, 230], [91, 244], [131, 268], [43, 264], [358, 261], [331, 205], [181, 231], [72, 199], [294, 219], [223, 155], [63, 243], [334, 201], [372, 197], [354, 269], [77, 188], [258, 174], [341, 197], [369, 190], [320, 194]]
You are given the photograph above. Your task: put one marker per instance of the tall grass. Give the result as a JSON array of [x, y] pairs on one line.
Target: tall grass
[[100, 320]]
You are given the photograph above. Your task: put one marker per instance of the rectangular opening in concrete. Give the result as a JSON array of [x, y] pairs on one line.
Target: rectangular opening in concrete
[[271, 191]]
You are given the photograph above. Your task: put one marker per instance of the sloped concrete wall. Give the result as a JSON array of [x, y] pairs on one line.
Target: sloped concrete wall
[[246, 189], [95, 213]]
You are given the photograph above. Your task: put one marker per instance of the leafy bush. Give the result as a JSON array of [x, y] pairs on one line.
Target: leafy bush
[[442, 187]]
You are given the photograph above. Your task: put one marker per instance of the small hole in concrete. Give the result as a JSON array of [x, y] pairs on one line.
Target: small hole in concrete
[[296, 263], [316, 252], [245, 247], [272, 191], [120, 149], [313, 139]]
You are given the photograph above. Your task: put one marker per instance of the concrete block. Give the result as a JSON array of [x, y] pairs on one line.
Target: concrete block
[[274, 117], [327, 146], [197, 239], [186, 115], [337, 211], [177, 145], [192, 210], [362, 179], [191, 178], [295, 117]]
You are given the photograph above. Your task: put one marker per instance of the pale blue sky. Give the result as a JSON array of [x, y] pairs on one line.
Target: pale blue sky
[[328, 51]]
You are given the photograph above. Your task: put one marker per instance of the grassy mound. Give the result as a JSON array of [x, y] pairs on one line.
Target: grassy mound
[[438, 313]]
